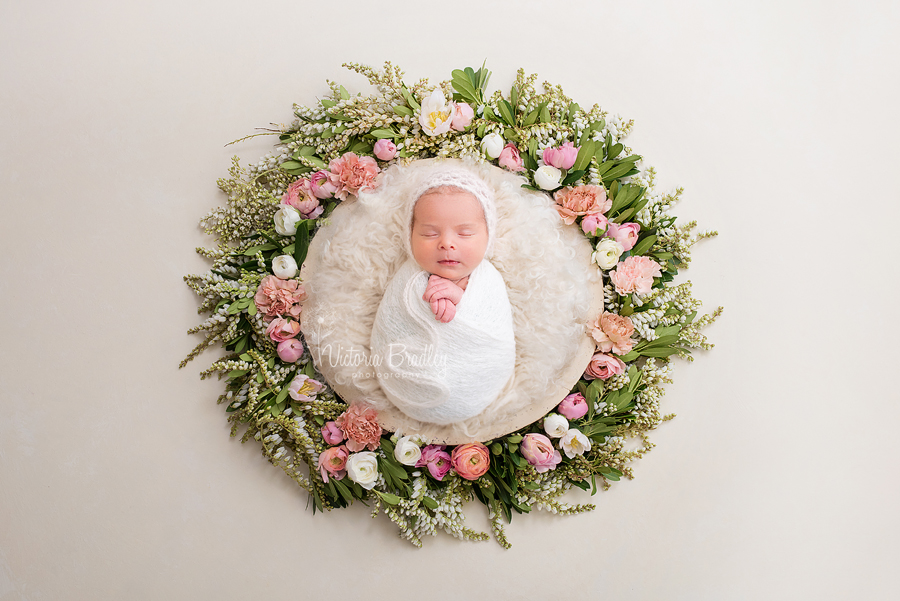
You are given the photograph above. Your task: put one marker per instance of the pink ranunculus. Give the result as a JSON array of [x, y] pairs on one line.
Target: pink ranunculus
[[276, 297], [562, 157], [635, 274], [581, 200], [471, 460], [333, 461], [360, 425], [436, 459], [385, 149], [510, 158], [613, 333], [539, 452], [290, 350], [281, 329], [625, 234], [573, 406], [331, 433], [300, 196], [303, 388], [462, 116], [593, 222], [351, 173], [320, 185], [604, 366]]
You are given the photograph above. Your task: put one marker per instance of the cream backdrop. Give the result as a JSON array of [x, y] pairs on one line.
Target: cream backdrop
[[777, 480]]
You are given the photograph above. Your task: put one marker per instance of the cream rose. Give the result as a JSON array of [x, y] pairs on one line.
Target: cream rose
[[555, 425], [406, 451], [284, 267], [607, 253], [286, 220], [547, 177], [362, 468], [436, 116], [492, 145]]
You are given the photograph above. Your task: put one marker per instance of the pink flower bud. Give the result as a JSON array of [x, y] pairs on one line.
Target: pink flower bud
[[573, 406], [331, 433], [320, 186], [282, 329], [562, 157], [290, 350], [510, 158], [385, 149], [462, 116], [593, 222]]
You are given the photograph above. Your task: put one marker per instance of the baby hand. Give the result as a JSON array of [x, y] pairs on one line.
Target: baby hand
[[443, 310], [439, 288]]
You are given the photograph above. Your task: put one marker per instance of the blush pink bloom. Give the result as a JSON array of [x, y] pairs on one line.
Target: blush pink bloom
[[613, 333], [331, 433], [581, 200], [303, 388], [471, 460], [562, 157], [436, 459], [276, 297], [539, 452], [604, 367], [593, 222], [573, 406], [625, 234], [360, 425], [510, 158], [635, 274], [300, 196], [290, 350], [385, 149], [320, 185], [282, 329], [351, 173], [462, 116], [333, 461]]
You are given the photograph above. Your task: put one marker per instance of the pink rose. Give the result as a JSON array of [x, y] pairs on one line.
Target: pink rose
[[625, 234], [385, 149], [604, 367], [360, 426], [635, 274], [436, 459], [462, 116], [331, 433], [581, 200], [539, 452], [509, 158], [290, 350], [282, 329], [613, 333], [351, 173], [471, 460], [593, 222], [321, 186], [573, 406], [303, 388], [300, 196], [333, 461], [562, 157], [276, 297]]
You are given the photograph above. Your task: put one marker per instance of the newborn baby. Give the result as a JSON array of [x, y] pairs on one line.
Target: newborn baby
[[443, 341]]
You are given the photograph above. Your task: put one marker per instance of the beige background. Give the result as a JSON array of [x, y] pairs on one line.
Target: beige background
[[778, 479]]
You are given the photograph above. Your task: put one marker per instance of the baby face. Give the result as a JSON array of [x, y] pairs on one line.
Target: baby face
[[449, 233]]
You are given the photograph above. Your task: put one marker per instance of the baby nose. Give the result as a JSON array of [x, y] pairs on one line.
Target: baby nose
[[447, 243]]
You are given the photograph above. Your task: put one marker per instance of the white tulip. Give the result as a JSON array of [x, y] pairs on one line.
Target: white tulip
[[284, 267], [555, 425], [574, 443], [547, 177], [286, 220], [492, 145], [607, 253], [406, 451], [362, 468]]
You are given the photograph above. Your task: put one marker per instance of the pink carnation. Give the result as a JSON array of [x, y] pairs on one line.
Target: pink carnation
[[573, 406], [320, 185], [333, 461], [581, 200], [604, 367], [300, 196], [625, 234], [282, 329], [613, 333], [436, 459], [510, 158], [562, 157], [539, 452], [351, 173], [635, 274], [360, 425], [276, 297]]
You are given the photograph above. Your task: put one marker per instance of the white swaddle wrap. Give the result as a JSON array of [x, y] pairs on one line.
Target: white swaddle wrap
[[443, 373]]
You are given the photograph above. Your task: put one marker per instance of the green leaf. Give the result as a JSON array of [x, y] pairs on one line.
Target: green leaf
[[305, 151], [572, 177], [250, 252], [514, 96], [344, 93], [643, 246], [506, 111], [573, 108], [545, 113], [496, 448], [326, 134], [301, 245], [668, 331], [629, 356], [403, 111], [462, 84], [489, 114], [361, 147], [659, 352], [251, 309], [514, 439], [388, 497], [583, 159], [614, 151], [328, 103], [382, 133], [283, 394], [532, 117], [342, 489], [237, 373], [430, 503]]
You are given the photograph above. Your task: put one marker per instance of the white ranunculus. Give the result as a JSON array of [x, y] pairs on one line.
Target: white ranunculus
[[492, 145], [574, 443], [406, 451], [362, 468], [284, 267], [547, 177], [286, 220], [555, 425], [607, 253], [436, 114]]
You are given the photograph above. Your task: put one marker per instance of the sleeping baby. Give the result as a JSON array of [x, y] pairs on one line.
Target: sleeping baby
[[443, 339]]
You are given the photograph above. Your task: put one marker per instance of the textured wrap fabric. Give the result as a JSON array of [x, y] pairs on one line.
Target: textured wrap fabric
[[444, 373]]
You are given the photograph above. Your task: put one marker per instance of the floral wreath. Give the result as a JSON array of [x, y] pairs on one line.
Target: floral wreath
[[337, 148]]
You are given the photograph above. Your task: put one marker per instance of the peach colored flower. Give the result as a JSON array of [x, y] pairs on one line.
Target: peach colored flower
[[613, 333], [471, 460], [300, 196], [276, 297], [510, 158], [604, 367], [635, 274], [333, 461], [539, 452], [625, 234], [282, 329], [360, 425], [351, 173], [581, 200]]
